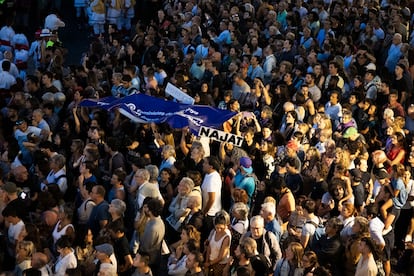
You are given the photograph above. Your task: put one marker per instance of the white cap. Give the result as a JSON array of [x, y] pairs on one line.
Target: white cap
[[371, 66]]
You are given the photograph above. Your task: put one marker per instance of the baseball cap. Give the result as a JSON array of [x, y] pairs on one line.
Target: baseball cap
[[105, 248], [371, 66], [20, 121], [246, 164]]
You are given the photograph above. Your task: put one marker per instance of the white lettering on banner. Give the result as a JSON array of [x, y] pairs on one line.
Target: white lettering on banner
[[178, 94], [155, 116], [220, 136]]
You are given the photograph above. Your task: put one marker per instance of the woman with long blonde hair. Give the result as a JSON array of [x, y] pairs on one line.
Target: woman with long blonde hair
[[292, 260]]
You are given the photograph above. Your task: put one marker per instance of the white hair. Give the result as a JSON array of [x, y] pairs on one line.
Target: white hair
[[269, 207]]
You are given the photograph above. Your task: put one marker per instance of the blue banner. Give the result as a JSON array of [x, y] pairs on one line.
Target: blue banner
[[146, 109]]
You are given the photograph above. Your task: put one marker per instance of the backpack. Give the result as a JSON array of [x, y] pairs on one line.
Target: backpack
[[273, 254], [254, 195], [55, 184], [319, 230], [261, 264]]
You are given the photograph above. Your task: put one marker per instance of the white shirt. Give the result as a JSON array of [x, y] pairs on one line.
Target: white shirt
[[14, 231], [62, 182], [52, 22], [6, 80], [63, 263], [212, 184], [375, 230], [30, 129], [13, 68], [7, 33]]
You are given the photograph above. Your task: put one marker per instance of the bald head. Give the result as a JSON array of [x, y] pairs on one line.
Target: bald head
[[20, 173]]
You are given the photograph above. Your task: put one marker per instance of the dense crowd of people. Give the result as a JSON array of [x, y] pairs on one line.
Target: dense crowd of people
[[322, 184]]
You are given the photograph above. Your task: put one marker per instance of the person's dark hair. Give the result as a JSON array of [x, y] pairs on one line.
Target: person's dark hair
[[321, 271], [198, 257], [386, 82], [49, 106], [336, 223], [74, 271], [309, 205], [372, 246], [393, 91], [6, 65], [117, 226], [284, 92], [216, 65], [371, 210], [113, 143], [220, 219], [243, 271], [32, 272], [312, 258], [259, 59], [278, 183], [121, 174], [89, 165], [145, 257], [80, 235], [193, 245], [63, 242], [336, 182], [89, 185], [214, 162], [312, 75], [155, 206], [47, 145], [179, 165], [48, 74], [196, 177], [10, 212], [293, 114], [33, 79], [100, 190]]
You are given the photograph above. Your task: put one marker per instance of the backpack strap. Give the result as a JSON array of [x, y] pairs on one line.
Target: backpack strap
[[59, 177], [269, 243], [86, 203], [313, 223]]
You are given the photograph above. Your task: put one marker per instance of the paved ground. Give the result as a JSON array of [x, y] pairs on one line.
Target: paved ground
[[76, 41]]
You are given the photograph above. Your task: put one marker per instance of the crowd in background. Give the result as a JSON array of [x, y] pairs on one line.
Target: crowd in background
[[322, 185]]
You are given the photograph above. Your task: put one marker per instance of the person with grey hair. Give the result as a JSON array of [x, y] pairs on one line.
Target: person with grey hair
[[153, 180], [57, 176], [153, 173], [38, 121], [239, 223], [168, 157], [268, 212], [144, 188], [266, 240], [117, 209], [64, 226], [178, 207]]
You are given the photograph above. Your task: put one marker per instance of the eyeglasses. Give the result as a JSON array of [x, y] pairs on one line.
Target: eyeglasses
[[255, 228]]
